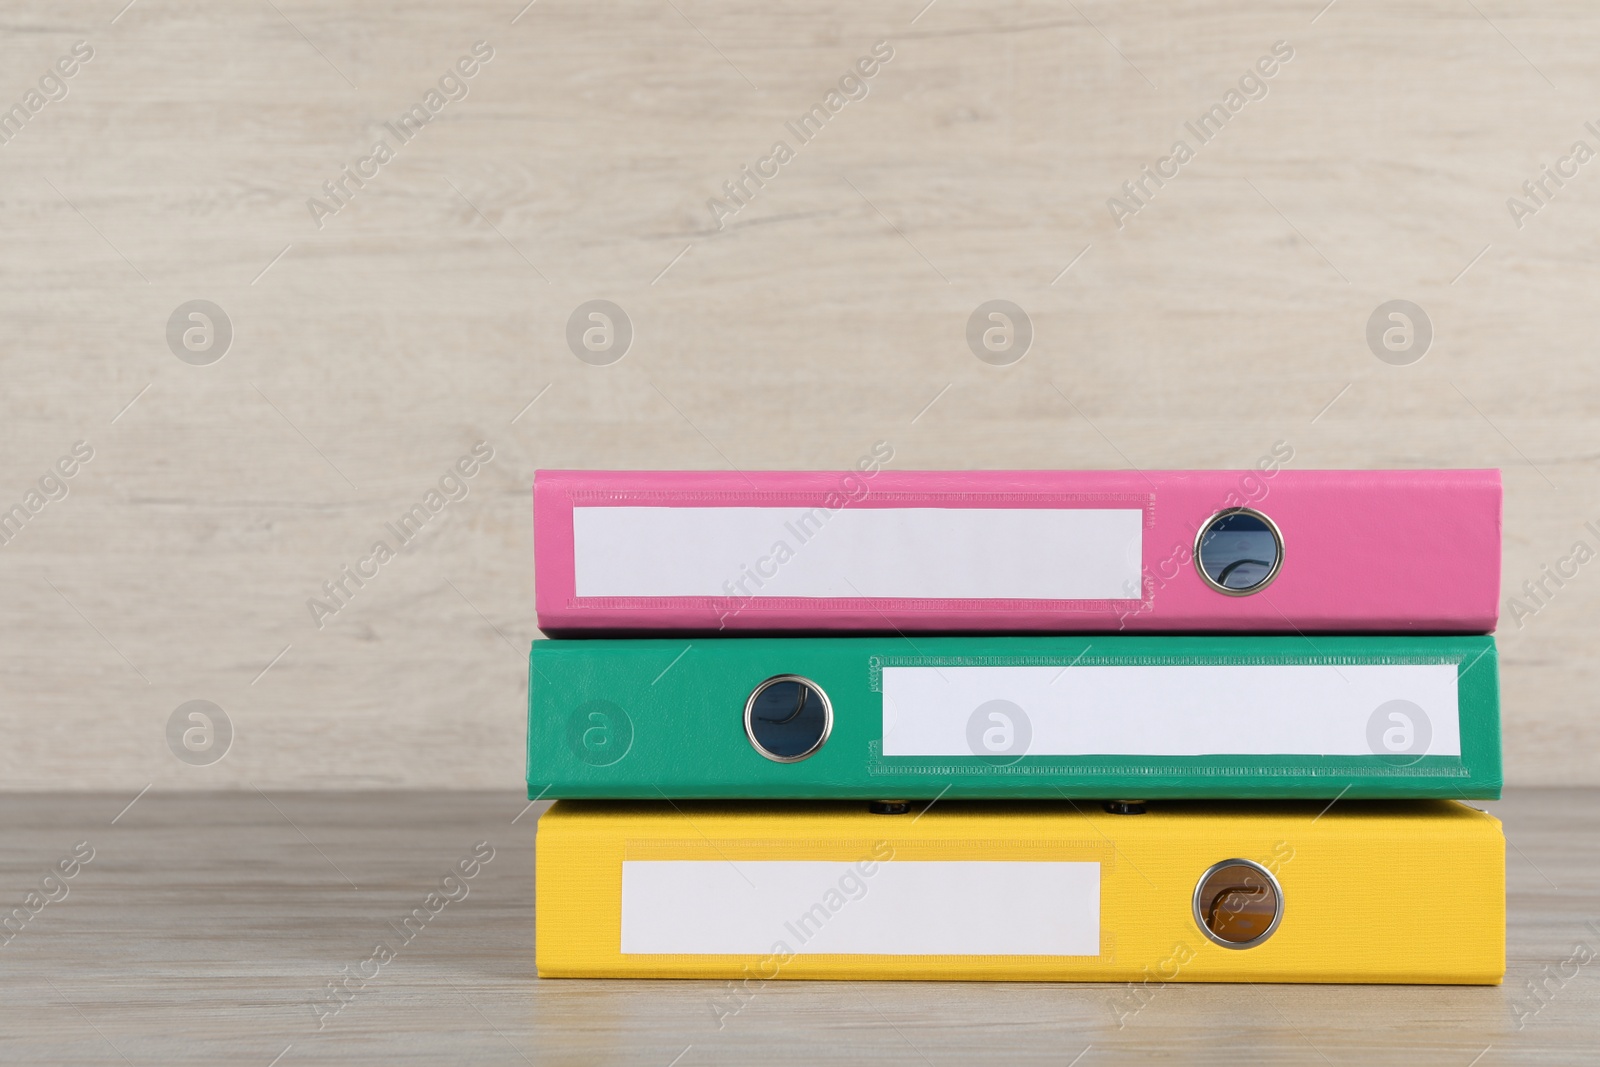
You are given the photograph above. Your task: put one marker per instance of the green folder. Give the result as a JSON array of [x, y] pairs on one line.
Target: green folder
[[1109, 718]]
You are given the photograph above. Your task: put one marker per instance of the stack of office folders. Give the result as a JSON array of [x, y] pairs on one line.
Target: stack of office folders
[[1031, 725]]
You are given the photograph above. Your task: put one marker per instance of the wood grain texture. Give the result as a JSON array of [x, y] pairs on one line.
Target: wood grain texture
[[206, 926], [829, 313]]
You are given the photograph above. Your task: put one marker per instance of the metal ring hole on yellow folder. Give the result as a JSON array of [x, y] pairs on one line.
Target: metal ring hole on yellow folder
[[1237, 903], [787, 718], [1238, 551]]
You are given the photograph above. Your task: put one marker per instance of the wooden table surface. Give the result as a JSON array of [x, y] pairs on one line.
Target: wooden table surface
[[206, 926]]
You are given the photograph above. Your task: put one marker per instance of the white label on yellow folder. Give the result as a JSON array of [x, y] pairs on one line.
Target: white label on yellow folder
[[1257, 709], [894, 908]]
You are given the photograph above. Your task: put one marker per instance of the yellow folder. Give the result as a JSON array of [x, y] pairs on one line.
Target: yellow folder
[[1209, 892]]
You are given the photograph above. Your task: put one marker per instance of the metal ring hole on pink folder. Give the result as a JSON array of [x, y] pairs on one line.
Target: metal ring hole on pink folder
[[1237, 903], [1238, 551]]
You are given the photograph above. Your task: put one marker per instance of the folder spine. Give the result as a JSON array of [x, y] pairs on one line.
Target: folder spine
[[650, 717], [1370, 893], [1010, 551]]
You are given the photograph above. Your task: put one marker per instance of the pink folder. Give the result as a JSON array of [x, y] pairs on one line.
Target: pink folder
[[1019, 551]]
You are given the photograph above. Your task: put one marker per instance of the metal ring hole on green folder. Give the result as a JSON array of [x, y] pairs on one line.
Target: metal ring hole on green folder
[[787, 718]]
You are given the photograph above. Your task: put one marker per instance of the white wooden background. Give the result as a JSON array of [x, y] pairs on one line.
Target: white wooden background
[[369, 354]]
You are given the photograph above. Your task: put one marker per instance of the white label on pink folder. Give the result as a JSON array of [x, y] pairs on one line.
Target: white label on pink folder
[[901, 553], [1396, 710], [895, 908]]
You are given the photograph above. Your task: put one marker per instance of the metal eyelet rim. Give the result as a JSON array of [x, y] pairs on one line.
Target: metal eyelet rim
[[1277, 540], [1199, 919], [827, 717]]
